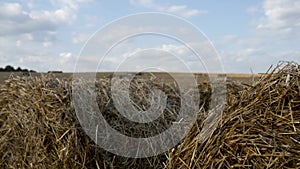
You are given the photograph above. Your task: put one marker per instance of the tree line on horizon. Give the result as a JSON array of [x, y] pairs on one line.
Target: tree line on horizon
[[10, 68]]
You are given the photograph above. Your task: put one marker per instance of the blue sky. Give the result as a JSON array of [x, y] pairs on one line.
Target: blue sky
[[249, 35]]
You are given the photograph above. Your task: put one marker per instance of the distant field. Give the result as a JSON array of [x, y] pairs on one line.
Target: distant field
[[201, 77], [5, 75]]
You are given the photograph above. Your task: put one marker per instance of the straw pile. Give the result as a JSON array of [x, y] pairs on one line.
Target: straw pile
[[39, 128], [260, 126]]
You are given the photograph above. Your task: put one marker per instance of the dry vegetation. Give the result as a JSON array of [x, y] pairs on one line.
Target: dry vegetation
[[260, 126]]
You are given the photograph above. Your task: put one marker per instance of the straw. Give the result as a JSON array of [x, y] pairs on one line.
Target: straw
[[260, 125]]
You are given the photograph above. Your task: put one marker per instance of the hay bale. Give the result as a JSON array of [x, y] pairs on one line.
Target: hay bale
[[260, 128], [39, 128]]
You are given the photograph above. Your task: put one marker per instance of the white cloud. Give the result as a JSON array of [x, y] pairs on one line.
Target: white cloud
[[274, 37], [28, 36], [15, 19], [64, 14], [176, 8], [65, 57], [145, 3], [181, 10], [246, 60], [18, 43], [171, 57], [30, 33], [156, 59], [11, 9], [80, 38], [281, 16], [47, 43], [72, 4]]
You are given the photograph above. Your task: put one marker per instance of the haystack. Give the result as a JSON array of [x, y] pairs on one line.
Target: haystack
[[39, 128], [260, 125]]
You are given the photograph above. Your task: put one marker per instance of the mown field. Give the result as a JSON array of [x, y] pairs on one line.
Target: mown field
[[201, 77]]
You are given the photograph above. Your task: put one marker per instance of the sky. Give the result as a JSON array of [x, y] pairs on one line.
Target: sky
[[249, 36]]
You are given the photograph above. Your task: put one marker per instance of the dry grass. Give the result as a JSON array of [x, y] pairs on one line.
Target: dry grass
[[260, 126], [39, 129]]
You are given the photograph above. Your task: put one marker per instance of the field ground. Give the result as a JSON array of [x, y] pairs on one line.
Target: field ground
[[201, 77]]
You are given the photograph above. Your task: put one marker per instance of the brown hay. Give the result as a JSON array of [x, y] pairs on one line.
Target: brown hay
[[260, 126], [39, 129]]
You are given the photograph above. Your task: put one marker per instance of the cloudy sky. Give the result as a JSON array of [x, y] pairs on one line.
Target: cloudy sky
[[248, 35]]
